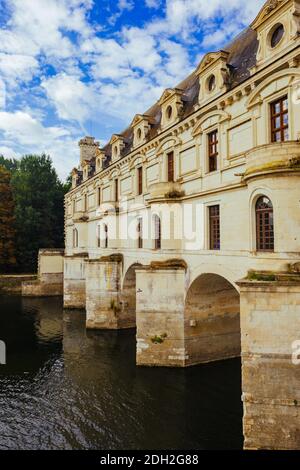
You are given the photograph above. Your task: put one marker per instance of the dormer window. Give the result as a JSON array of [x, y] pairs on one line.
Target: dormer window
[[169, 112], [276, 35], [211, 83], [117, 145], [277, 27], [141, 126], [214, 75], [171, 104]]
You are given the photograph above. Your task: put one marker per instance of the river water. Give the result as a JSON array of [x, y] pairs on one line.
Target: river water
[[66, 388]]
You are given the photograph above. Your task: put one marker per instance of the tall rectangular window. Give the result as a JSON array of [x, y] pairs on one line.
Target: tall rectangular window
[[171, 167], [214, 228], [140, 181], [140, 232], [213, 151], [116, 190], [99, 196], [280, 120]]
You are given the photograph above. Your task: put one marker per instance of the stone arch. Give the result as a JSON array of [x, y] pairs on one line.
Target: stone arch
[[222, 117], [128, 297], [212, 319], [218, 269], [173, 141], [254, 97]]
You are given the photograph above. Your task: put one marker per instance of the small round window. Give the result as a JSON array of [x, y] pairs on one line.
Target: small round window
[[211, 83], [277, 35], [169, 112]]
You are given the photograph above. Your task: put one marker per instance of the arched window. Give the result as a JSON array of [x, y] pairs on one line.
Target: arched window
[[140, 232], [75, 238], [264, 224], [157, 232], [98, 236], [105, 228]]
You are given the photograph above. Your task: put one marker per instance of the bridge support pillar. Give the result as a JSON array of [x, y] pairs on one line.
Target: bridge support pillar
[[270, 327], [160, 316], [74, 281], [103, 295]]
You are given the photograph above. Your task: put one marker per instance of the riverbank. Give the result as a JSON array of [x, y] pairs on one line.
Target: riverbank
[[12, 283]]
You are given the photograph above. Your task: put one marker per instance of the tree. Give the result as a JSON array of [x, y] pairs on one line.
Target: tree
[[7, 230], [39, 212], [10, 164]]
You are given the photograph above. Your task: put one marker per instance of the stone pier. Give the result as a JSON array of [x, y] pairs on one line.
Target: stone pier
[[270, 324], [160, 315], [74, 281], [104, 307]]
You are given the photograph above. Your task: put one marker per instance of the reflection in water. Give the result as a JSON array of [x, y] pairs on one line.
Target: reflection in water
[[66, 388]]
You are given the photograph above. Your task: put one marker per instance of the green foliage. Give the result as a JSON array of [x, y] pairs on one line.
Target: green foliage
[[159, 339], [39, 208], [7, 232], [256, 276]]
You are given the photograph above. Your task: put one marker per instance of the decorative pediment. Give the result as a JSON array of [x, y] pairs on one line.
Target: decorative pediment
[[211, 58], [169, 94], [139, 118], [270, 7], [116, 138]]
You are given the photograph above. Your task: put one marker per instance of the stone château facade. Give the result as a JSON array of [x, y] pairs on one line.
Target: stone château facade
[[187, 224]]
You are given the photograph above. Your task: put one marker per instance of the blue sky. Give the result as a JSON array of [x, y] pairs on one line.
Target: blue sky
[[75, 67]]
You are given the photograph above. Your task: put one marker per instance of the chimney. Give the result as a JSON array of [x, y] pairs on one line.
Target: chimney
[[88, 148]]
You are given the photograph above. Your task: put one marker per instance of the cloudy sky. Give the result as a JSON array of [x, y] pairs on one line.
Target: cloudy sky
[[74, 67]]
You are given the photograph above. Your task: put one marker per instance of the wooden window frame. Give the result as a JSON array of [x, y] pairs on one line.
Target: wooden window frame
[[170, 168], [140, 180], [116, 190], [213, 150], [140, 232], [281, 114], [264, 229], [214, 227], [157, 232]]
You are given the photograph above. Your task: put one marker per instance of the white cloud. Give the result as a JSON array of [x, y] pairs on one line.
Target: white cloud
[[2, 95], [126, 4], [25, 134], [152, 3], [73, 99], [17, 67]]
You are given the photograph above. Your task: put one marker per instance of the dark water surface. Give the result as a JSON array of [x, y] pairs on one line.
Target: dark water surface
[[65, 388]]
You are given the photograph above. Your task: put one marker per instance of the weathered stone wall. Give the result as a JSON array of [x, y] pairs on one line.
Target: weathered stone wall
[[107, 305], [103, 294], [160, 317], [50, 275], [12, 284], [270, 323], [212, 320], [74, 281]]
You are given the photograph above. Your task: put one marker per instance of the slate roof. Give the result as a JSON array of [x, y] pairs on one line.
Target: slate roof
[[242, 57]]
